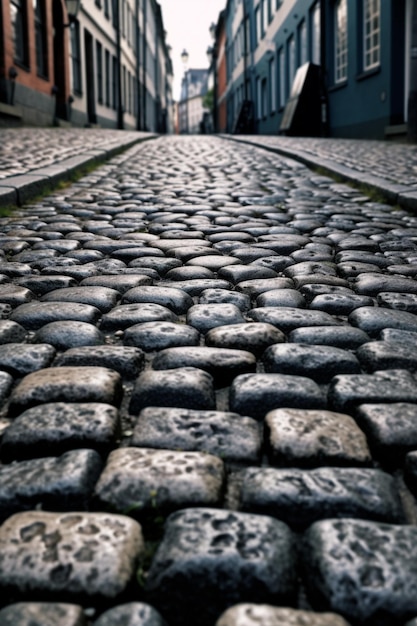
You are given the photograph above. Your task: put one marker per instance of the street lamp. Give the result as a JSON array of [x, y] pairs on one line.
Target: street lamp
[[184, 58], [73, 6]]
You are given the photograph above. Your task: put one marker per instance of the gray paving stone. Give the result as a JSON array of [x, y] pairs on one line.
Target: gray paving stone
[[5, 310], [67, 334], [362, 570], [195, 286], [120, 282], [126, 315], [339, 303], [380, 355], [127, 361], [287, 319], [253, 337], [11, 332], [223, 364], [151, 336], [176, 300], [66, 384], [301, 497], [131, 614], [318, 362], [246, 614], [372, 285], [388, 386], [254, 287], [218, 558], [40, 285], [373, 320], [13, 269], [6, 383], [14, 295], [311, 290], [187, 387], [54, 483], [54, 428], [257, 394], [34, 315], [161, 265], [102, 298], [309, 438], [391, 430], [229, 436], [204, 317], [42, 614], [224, 296], [81, 557], [281, 297], [145, 483], [345, 337], [189, 272], [398, 301], [240, 272], [399, 336], [20, 359]]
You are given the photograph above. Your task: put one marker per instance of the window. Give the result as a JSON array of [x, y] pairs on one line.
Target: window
[[258, 21], [107, 70], [278, 4], [19, 31], [264, 98], [315, 34], [114, 75], [272, 87], [281, 67], [270, 15], [372, 34], [107, 8], [258, 99], [291, 61], [76, 57], [40, 38], [302, 43], [99, 64], [264, 17], [341, 41]]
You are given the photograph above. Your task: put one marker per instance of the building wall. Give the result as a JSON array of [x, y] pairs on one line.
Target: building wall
[[111, 70], [285, 34], [29, 90]]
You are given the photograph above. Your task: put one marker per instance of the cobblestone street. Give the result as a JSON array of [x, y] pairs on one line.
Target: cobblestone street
[[208, 358]]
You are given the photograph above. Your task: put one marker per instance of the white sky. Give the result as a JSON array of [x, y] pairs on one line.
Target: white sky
[[187, 24]]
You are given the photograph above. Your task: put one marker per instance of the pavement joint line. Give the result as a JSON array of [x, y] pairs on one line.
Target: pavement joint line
[[394, 194], [22, 188]]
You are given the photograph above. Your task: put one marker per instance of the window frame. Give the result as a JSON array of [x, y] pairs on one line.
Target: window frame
[[369, 35], [41, 42], [77, 83], [341, 44], [19, 26]]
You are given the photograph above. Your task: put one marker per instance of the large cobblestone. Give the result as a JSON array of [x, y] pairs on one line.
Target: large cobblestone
[[208, 398]]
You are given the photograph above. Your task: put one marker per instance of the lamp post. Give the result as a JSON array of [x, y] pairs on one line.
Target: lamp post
[[73, 6], [184, 58], [212, 56]]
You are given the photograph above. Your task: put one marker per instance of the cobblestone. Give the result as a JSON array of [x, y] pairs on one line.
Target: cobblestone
[[208, 387]]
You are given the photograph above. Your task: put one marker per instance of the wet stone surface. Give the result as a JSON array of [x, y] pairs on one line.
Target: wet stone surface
[[226, 435], [42, 614], [145, 481], [221, 558], [201, 322], [75, 555], [363, 570]]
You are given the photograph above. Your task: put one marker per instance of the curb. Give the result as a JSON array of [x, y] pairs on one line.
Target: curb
[[20, 189], [394, 194]]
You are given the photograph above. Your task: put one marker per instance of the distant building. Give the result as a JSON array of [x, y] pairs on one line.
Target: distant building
[[191, 109], [107, 65], [359, 75]]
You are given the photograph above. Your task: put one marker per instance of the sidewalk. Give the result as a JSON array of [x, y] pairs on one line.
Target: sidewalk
[[388, 168], [33, 160]]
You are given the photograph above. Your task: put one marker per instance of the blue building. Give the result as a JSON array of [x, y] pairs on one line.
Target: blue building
[[358, 78]]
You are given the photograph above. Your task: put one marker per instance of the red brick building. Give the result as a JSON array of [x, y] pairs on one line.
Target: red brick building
[[34, 62]]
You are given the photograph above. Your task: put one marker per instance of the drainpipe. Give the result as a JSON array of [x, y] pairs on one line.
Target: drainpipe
[[412, 96], [116, 7], [324, 103], [137, 70], [144, 61]]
